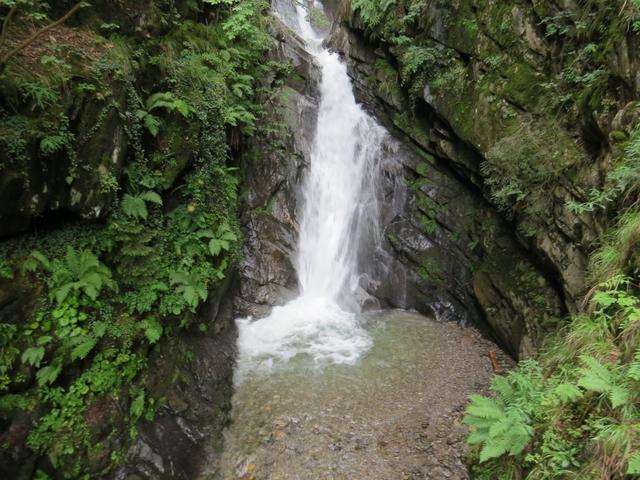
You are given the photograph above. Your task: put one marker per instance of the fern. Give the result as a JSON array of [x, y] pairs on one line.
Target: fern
[[152, 330], [80, 271], [634, 465], [503, 425], [48, 374], [161, 100], [236, 115], [500, 430], [136, 207], [415, 58], [190, 287], [83, 348], [36, 259], [41, 96], [634, 368], [372, 12], [596, 377], [52, 144], [33, 356], [150, 122], [567, 392]]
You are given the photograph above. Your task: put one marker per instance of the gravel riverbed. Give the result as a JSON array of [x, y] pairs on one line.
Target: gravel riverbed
[[395, 414]]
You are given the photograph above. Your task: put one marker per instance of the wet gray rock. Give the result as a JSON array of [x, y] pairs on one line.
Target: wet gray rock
[[272, 173], [52, 183], [194, 375], [448, 252]]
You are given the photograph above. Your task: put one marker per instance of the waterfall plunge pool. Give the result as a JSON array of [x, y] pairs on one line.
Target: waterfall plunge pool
[[393, 413]]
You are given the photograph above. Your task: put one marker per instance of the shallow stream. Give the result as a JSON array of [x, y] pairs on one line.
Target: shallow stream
[[395, 413]]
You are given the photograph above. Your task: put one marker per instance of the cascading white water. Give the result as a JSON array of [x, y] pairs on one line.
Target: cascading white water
[[339, 206]]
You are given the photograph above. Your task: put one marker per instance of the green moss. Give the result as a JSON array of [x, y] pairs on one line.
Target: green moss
[[523, 86], [520, 166], [412, 127], [464, 32], [619, 136]]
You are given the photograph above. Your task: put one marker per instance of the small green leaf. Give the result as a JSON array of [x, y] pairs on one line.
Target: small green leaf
[[81, 350], [44, 340], [137, 406], [152, 330], [182, 108], [134, 206], [152, 123], [61, 293], [35, 260], [215, 246], [567, 392], [48, 374], [205, 233], [33, 356], [595, 376], [634, 465], [151, 196], [619, 396]]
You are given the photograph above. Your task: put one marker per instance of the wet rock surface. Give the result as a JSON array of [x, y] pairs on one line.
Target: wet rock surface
[[193, 377], [449, 251], [463, 114], [273, 171], [395, 414]]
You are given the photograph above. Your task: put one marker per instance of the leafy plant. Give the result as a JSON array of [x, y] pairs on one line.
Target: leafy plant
[[519, 166], [80, 271], [135, 205], [33, 356], [161, 100], [504, 425], [190, 287], [580, 415], [220, 240], [152, 329], [40, 95], [372, 11]]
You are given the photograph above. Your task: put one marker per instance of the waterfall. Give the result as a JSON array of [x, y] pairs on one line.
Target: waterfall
[[339, 212]]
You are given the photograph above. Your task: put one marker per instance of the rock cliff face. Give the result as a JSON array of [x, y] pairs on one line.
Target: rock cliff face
[[273, 169], [446, 250], [54, 182], [495, 160], [194, 374]]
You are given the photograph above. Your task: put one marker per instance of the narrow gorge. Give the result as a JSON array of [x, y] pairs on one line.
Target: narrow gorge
[[298, 239]]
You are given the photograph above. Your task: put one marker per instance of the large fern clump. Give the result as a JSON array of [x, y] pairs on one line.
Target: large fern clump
[[575, 413], [579, 417]]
